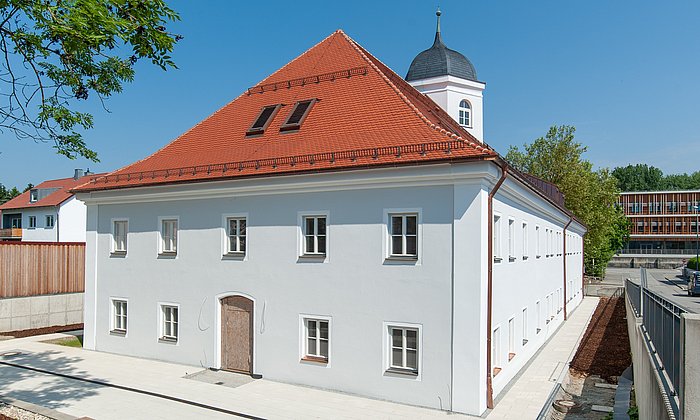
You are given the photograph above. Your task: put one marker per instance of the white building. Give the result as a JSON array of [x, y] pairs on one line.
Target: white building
[[332, 227], [48, 212]]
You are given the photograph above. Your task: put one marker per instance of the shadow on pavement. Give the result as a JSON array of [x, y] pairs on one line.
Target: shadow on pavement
[[41, 388]]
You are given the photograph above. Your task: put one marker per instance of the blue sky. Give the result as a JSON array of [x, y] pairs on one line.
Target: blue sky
[[625, 73]]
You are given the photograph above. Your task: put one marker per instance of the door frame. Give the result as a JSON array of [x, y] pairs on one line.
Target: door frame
[[217, 348]]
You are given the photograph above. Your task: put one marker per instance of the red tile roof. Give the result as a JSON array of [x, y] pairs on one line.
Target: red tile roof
[[57, 197], [365, 115]]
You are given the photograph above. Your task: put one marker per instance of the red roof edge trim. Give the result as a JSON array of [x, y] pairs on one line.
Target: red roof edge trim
[[376, 152], [415, 109]]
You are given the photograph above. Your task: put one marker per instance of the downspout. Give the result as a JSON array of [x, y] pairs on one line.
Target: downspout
[[571, 219], [489, 301], [58, 226]]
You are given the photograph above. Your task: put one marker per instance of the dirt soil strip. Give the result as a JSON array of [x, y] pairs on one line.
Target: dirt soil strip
[[42, 331], [605, 347]]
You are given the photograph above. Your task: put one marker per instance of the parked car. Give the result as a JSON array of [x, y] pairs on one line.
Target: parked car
[[694, 284]]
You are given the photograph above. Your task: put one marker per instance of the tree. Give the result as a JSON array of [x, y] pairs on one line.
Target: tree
[[56, 53], [28, 187], [640, 177], [590, 195], [7, 195]]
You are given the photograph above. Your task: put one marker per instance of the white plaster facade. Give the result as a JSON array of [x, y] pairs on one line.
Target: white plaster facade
[[68, 222], [449, 91], [443, 293]]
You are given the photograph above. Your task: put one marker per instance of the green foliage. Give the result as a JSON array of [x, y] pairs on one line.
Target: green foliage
[[642, 177], [590, 195], [693, 264], [7, 195], [57, 53]]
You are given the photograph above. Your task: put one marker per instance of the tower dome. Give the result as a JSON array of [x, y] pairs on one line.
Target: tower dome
[[439, 60]]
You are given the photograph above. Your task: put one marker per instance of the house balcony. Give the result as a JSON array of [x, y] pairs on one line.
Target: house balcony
[[10, 234]]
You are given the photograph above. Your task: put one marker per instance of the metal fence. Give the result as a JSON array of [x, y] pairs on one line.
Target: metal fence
[[690, 252], [661, 321]]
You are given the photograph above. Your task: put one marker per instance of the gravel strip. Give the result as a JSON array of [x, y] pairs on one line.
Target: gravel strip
[[11, 412]]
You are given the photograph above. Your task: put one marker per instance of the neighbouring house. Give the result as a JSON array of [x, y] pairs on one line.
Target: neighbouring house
[[48, 212], [340, 227]]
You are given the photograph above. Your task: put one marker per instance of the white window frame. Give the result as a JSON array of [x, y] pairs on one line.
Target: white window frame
[[511, 339], [496, 348], [538, 249], [31, 219], [316, 251], [394, 371], [33, 195], [113, 316], [225, 249], [526, 251], [497, 234], [52, 218], [161, 239], [114, 249], [302, 255], [524, 325], [538, 317], [161, 321], [387, 243], [465, 111], [304, 355], [511, 239]]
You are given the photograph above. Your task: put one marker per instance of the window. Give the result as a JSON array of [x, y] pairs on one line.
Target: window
[[511, 240], [33, 196], [496, 238], [267, 114], [465, 113], [404, 349], [119, 316], [524, 326], [511, 339], [496, 350], [537, 242], [538, 317], [49, 220], [314, 235], [168, 234], [526, 251], [317, 334], [32, 222], [297, 115], [236, 235], [403, 231], [120, 230], [169, 328]]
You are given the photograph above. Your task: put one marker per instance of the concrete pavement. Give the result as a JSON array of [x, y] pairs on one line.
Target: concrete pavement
[[160, 385], [666, 283]]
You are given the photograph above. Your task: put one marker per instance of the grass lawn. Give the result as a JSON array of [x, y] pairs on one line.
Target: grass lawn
[[75, 341]]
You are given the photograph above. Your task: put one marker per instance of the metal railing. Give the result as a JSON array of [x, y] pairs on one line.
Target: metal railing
[[634, 293], [657, 252]]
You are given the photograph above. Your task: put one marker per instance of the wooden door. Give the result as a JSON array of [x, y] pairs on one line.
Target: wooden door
[[237, 334]]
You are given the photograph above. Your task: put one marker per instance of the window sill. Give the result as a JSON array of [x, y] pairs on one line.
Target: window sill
[[497, 259], [400, 371], [168, 340], [234, 256], [167, 255], [118, 254], [118, 333], [511, 356], [403, 257], [525, 341], [315, 359], [525, 257], [313, 256], [496, 371], [538, 330], [511, 259], [538, 257]]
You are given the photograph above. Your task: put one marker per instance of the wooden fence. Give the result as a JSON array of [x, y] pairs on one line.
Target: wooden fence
[[41, 268]]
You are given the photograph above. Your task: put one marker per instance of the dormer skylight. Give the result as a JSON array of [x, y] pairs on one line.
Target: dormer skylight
[[33, 196], [264, 119], [298, 114]]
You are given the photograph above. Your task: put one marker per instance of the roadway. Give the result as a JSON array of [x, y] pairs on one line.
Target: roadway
[[667, 283]]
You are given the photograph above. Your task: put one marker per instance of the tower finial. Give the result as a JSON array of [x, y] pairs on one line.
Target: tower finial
[[438, 13]]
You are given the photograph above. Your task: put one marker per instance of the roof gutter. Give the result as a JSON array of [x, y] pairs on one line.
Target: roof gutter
[[489, 303], [571, 219]]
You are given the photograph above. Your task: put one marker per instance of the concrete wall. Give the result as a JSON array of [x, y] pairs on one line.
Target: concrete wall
[[651, 398], [690, 366], [621, 261], [26, 313]]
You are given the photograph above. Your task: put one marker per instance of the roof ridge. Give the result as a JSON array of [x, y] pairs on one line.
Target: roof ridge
[[403, 97]]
